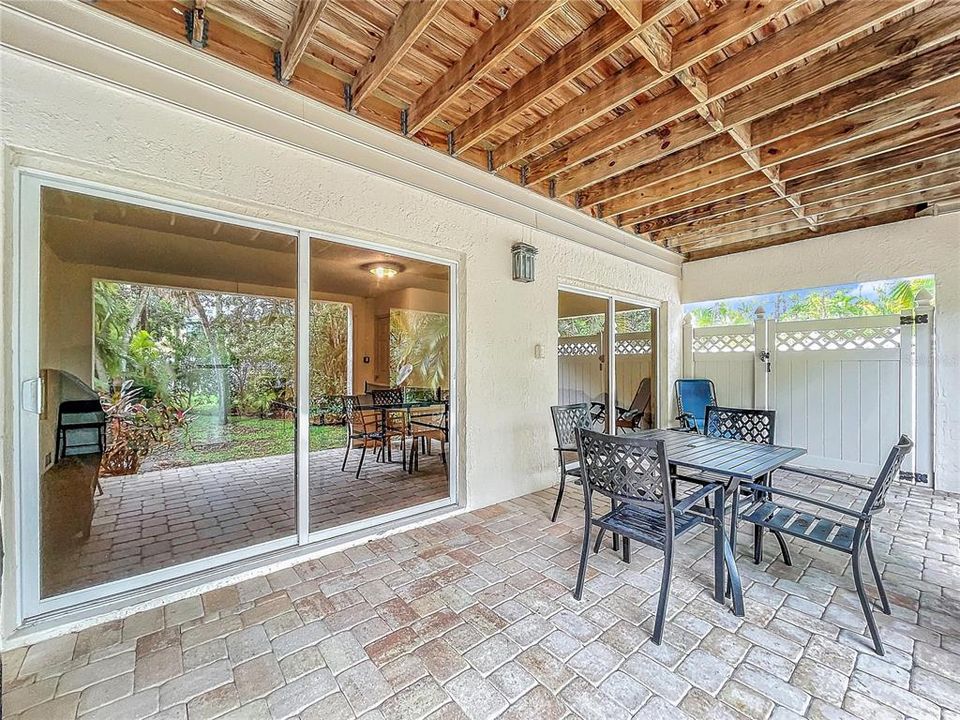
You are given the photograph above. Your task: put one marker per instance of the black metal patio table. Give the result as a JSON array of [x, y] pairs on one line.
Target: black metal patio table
[[734, 459]]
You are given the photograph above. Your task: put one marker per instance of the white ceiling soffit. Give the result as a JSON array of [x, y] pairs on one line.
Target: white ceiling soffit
[[92, 42]]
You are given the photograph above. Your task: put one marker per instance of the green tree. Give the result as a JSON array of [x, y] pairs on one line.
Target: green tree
[[422, 340]]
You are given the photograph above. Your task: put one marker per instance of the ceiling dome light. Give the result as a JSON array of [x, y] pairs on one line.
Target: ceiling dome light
[[383, 269]]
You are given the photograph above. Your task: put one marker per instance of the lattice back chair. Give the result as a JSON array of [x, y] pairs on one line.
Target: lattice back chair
[[749, 425], [633, 472], [427, 427], [363, 430], [566, 420], [844, 535], [397, 420], [693, 396]]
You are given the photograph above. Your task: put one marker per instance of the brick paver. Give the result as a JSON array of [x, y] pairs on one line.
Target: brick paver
[[164, 517], [473, 617]]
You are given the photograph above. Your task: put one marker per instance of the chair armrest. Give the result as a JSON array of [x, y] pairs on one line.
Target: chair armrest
[[565, 449], [690, 500], [803, 498], [820, 476]]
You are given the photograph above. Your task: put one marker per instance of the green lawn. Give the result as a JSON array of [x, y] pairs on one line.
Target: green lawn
[[205, 440]]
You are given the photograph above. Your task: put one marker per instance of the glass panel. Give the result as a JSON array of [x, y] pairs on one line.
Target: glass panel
[[167, 346], [635, 366], [379, 383], [581, 352]]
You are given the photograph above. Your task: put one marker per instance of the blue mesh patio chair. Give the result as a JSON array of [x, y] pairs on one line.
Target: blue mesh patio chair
[[693, 396], [849, 535]]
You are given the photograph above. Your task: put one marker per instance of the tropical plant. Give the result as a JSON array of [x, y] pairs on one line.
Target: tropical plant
[[903, 294], [421, 340], [136, 427]]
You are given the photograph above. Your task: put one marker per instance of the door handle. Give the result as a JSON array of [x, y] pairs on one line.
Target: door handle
[[31, 395]]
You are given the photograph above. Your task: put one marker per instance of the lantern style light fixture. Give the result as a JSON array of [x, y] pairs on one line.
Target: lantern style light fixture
[[524, 257], [384, 270]]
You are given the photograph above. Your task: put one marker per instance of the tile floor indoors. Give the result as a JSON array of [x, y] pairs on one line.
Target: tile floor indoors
[[151, 520], [473, 617]]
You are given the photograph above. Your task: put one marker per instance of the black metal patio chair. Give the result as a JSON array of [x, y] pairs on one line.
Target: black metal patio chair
[[632, 472], [426, 428], [566, 420], [765, 512], [749, 425]]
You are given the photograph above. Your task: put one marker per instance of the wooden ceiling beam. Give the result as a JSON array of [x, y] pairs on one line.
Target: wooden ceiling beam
[[248, 16], [883, 116], [723, 114], [720, 172], [876, 172], [294, 47], [410, 24], [924, 129], [805, 233], [493, 46], [706, 153], [915, 74], [812, 34], [855, 193], [886, 47], [629, 126], [635, 79], [853, 213], [644, 12], [709, 209], [703, 196], [733, 21], [593, 44]]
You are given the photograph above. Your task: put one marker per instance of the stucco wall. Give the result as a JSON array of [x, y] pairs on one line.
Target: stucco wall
[[922, 246], [62, 121]]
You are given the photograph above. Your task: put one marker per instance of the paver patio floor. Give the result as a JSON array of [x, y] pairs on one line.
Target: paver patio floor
[[163, 517], [472, 617]]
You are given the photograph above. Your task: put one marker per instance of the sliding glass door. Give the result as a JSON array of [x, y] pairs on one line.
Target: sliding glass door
[[188, 388], [607, 357]]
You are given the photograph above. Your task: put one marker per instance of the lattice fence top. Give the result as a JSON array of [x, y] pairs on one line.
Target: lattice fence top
[[871, 338], [633, 346], [578, 348], [728, 343]]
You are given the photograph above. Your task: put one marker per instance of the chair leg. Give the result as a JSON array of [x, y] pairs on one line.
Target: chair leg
[[876, 576], [784, 550], [556, 508], [734, 522], [664, 593], [865, 602], [363, 453], [736, 586], [616, 538], [626, 550], [346, 454], [599, 543], [719, 575], [584, 549]]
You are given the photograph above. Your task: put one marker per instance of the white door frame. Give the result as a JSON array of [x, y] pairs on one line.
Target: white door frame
[[27, 185], [609, 340]]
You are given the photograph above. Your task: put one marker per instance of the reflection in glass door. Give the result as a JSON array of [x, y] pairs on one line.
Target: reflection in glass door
[[166, 351], [582, 352], [379, 385], [635, 366]]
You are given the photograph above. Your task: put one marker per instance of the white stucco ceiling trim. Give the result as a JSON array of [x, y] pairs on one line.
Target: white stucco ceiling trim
[[90, 41]]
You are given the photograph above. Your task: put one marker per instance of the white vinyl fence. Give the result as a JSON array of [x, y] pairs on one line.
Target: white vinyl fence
[[583, 373], [843, 389]]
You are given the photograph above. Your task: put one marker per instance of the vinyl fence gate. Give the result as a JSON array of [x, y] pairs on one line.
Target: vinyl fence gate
[[843, 389]]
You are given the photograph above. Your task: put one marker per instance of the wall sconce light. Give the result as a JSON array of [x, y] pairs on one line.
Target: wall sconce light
[[524, 256], [383, 270]]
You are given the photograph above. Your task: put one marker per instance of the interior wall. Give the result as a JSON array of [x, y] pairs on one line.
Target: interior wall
[[922, 246], [72, 123]]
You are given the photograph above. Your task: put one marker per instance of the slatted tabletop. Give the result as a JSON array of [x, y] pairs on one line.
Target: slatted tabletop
[[733, 458]]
